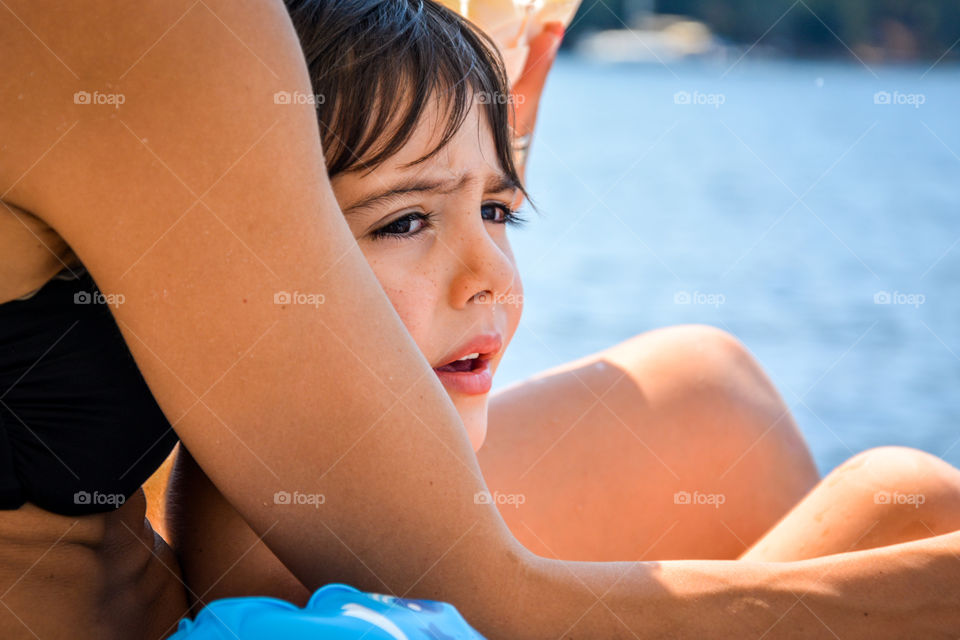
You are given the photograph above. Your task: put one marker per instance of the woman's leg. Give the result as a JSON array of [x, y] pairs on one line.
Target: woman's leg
[[879, 497], [673, 444]]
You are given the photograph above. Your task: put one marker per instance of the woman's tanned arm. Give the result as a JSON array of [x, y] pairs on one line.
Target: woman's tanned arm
[[907, 590], [900, 591]]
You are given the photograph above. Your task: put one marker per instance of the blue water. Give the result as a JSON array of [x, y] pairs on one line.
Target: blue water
[[782, 212]]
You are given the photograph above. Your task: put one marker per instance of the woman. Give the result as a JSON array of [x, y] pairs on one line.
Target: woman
[[191, 250]]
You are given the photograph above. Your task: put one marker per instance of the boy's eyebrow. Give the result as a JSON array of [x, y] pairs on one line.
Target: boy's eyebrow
[[495, 184], [501, 182]]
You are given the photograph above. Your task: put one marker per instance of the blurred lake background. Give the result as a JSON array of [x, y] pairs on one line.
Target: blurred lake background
[[809, 204]]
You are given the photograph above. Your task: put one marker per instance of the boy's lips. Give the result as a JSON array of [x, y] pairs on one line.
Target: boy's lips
[[467, 369]]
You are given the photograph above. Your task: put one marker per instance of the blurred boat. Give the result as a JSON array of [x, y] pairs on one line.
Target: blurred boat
[[656, 38]]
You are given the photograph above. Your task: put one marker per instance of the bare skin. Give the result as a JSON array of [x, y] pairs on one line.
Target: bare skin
[[98, 576], [549, 437], [33, 252], [201, 241], [881, 496], [596, 449]]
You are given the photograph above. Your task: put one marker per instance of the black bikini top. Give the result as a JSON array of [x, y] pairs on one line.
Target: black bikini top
[[80, 431]]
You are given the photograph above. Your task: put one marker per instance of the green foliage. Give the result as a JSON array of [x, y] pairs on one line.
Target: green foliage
[[876, 29]]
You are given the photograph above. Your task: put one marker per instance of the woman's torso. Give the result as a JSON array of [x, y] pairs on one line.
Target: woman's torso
[[100, 575], [30, 252]]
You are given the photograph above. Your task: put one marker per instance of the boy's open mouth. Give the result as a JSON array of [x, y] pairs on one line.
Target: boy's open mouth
[[470, 372], [467, 363]]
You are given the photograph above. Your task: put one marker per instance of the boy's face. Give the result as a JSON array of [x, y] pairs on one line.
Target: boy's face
[[437, 242]]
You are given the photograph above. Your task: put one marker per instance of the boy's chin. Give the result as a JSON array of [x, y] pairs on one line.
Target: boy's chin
[[474, 419]]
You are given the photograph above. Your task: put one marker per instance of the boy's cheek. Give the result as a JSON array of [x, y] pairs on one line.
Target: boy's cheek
[[415, 308], [514, 308]]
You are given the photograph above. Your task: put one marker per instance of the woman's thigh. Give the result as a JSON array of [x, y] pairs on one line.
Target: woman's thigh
[[673, 444], [879, 497]]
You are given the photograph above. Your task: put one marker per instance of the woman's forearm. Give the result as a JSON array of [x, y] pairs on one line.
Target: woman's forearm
[[907, 590], [673, 599]]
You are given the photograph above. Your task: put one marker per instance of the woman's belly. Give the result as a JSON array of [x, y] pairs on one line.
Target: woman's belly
[[104, 576]]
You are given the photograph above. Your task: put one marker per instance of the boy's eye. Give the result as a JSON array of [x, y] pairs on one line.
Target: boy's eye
[[407, 225], [411, 224], [499, 213]]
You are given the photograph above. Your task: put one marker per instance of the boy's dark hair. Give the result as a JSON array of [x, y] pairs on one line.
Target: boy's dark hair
[[377, 63]]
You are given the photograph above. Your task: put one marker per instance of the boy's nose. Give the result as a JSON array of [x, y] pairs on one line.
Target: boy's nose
[[483, 272]]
